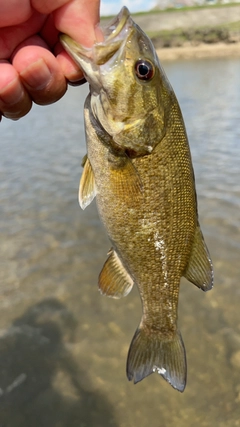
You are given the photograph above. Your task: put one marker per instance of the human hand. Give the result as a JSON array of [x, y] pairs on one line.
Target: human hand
[[33, 65]]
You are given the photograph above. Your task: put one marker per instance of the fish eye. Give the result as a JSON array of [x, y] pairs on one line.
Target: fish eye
[[144, 69]]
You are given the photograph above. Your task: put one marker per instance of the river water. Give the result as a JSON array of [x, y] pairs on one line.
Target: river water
[[63, 346]]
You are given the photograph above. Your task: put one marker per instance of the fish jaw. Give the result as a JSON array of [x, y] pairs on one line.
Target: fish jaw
[[125, 107], [103, 53]]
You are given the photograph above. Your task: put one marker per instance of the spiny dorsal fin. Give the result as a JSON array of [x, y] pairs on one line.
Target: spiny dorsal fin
[[150, 352], [125, 177], [114, 281], [200, 270], [87, 184]]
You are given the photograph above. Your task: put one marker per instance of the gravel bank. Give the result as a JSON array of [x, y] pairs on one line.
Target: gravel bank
[[217, 50], [188, 19]]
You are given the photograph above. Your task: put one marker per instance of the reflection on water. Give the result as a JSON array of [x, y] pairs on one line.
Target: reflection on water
[[49, 387], [63, 347]]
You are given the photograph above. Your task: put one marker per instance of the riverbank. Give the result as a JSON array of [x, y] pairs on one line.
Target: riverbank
[[199, 33], [210, 32], [217, 50], [188, 19]]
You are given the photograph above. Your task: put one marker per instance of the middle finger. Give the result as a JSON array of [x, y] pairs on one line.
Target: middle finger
[[14, 99]]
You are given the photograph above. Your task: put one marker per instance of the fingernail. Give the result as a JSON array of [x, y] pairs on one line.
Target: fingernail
[[12, 93], [37, 75], [77, 82], [13, 116]]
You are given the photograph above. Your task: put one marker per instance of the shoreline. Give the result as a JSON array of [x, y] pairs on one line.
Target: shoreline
[[216, 50]]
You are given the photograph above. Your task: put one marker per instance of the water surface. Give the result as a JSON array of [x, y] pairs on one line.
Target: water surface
[[63, 347]]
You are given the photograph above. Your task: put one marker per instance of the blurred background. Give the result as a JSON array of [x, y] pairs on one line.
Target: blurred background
[[63, 346]]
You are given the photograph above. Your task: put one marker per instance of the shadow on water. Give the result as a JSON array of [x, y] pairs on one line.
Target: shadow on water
[[41, 385]]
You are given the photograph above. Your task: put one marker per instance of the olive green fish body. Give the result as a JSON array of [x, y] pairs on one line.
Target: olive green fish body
[[139, 167], [153, 233]]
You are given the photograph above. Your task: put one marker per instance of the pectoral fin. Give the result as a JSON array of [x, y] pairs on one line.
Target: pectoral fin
[[87, 184], [84, 159], [200, 270], [125, 177], [114, 281]]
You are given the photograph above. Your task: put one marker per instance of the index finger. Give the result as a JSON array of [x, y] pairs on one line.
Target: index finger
[[12, 14], [79, 19]]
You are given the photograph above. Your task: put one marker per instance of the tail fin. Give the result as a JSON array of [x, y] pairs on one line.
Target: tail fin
[[150, 353]]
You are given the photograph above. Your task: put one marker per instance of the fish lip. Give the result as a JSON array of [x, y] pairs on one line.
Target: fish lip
[[113, 34], [114, 28]]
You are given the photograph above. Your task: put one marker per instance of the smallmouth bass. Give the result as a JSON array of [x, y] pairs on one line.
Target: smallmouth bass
[[138, 166]]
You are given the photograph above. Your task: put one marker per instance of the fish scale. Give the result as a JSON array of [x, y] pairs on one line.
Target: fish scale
[[139, 167]]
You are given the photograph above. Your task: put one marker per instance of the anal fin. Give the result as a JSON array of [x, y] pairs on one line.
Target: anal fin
[[114, 280], [87, 184], [199, 270]]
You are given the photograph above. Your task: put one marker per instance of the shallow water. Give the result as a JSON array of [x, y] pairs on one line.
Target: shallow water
[[63, 347]]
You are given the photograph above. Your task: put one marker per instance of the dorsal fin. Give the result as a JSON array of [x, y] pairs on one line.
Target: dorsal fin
[[199, 270], [87, 184], [114, 280]]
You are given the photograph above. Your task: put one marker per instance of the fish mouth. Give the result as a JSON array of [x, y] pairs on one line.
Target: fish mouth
[[114, 28], [114, 35]]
